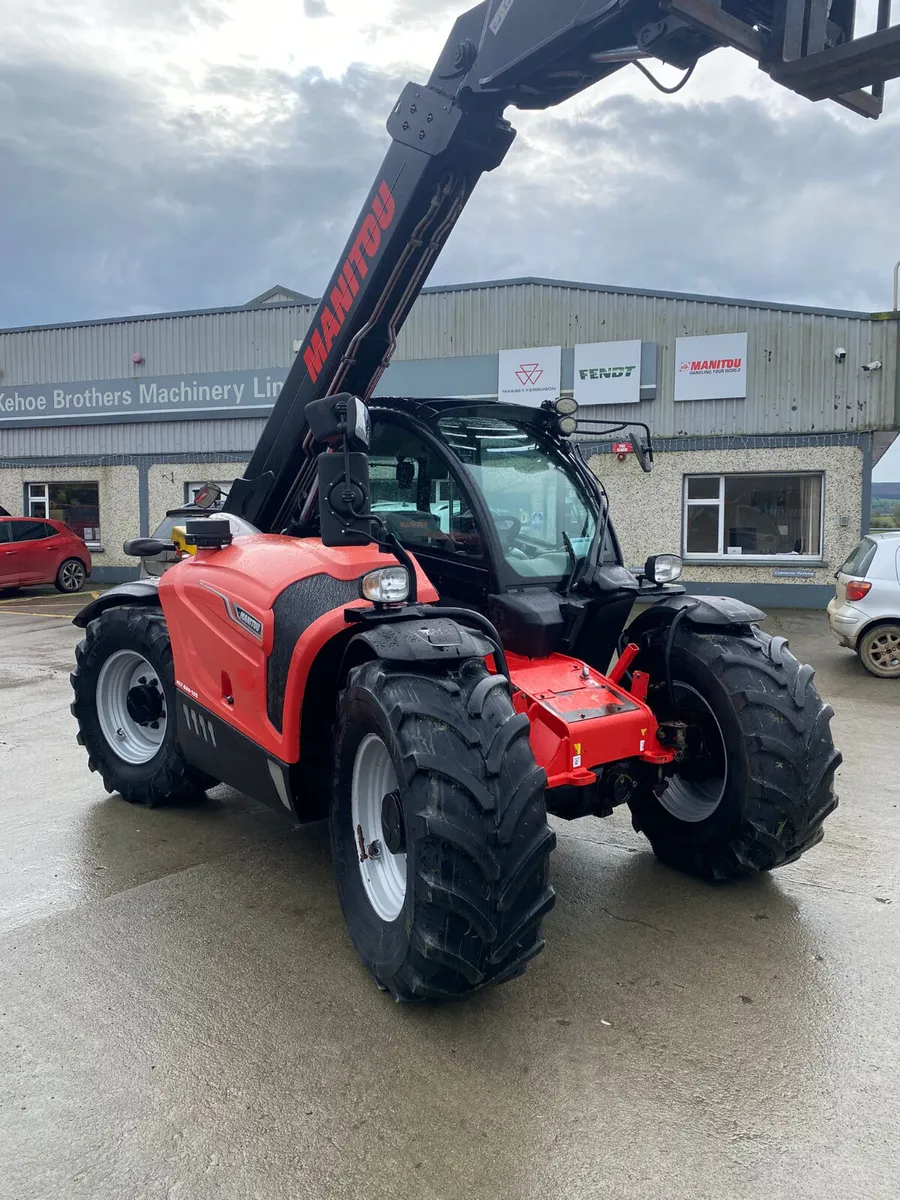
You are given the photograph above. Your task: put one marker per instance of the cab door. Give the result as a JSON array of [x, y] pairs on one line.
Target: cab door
[[421, 499], [9, 574]]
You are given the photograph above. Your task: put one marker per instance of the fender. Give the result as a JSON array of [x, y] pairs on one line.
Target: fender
[[437, 640], [704, 611], [139, 591]]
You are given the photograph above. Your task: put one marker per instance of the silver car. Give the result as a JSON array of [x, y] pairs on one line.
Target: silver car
[[865, 612]]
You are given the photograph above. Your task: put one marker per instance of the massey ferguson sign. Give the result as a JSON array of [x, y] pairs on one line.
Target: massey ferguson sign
[[713, 367], [530, 376]]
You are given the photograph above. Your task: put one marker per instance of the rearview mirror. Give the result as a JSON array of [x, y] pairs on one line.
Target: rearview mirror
[[209, 496], [146, 547], [644, 457]]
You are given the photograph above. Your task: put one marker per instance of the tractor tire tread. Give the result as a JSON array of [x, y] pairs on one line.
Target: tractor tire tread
[[786, 737], [169, 781], [481, 883]]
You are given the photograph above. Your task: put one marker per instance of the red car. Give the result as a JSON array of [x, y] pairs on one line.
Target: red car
[[36, 551]]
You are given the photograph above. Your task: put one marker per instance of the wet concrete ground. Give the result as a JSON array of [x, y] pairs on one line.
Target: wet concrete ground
[[182, 1016]]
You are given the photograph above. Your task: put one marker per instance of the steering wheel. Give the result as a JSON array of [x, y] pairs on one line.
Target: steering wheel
[[508, 529]]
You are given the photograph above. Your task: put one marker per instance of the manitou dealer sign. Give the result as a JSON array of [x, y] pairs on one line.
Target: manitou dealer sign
[[712, 367]]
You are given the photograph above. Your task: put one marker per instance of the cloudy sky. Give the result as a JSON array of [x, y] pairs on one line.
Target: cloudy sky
[[168, 154]]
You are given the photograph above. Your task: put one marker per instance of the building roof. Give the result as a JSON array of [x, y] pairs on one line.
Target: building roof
[[279, 295], [270, 299]]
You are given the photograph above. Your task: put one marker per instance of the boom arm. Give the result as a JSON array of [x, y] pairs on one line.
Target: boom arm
[[529, 54]]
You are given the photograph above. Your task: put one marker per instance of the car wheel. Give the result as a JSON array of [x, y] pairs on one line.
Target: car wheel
[[71, 576], [879, 650]]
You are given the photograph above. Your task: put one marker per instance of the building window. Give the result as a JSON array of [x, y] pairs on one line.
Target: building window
[[75, 504], [193, 490], [757, 516]]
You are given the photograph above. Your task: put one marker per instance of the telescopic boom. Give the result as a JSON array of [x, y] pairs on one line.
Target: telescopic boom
[[528, 54]]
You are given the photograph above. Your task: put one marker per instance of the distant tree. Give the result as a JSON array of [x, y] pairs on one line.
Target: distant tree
[[895, 513]]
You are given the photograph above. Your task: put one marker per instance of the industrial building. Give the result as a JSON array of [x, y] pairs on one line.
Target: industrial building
[[766, 418]]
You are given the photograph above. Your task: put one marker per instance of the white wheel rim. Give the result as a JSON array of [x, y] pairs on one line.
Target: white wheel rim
[[693, 801], [383, 874], [72, 576], [134, 741]]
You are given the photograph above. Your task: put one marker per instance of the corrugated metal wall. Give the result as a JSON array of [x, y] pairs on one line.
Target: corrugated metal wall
[[795, 384], [150, 437]]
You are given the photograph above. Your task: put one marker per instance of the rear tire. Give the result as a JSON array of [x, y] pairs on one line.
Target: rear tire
[[71, 576], [878, 650], [458, 908], [149, 767], [758, 779]]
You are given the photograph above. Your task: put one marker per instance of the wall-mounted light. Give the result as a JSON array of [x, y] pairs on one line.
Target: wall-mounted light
[[137, 359]]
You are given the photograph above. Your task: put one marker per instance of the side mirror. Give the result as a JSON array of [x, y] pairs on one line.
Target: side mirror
[[209, 496], [146, 547], [643, 455]]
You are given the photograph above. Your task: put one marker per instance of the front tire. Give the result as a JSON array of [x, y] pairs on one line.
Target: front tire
[[757, 779], [124, 685], [436, 768]]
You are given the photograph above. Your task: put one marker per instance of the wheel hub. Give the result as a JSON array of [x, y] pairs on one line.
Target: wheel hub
[[131, 707], [695, 783], [392, 823], [145, 702]]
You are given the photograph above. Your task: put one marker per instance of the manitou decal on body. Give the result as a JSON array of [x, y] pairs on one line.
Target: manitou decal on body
[[240, 616], [340, 302]]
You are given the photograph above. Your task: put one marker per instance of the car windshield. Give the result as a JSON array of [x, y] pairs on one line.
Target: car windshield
[[531, 492]]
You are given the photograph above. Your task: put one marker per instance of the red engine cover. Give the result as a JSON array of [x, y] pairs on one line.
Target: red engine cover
[[218, 607]]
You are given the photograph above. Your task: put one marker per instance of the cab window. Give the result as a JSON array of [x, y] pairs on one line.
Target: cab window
[[417, 497]]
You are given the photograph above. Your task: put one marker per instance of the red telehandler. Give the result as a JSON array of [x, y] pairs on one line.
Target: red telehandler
[[370, 633]]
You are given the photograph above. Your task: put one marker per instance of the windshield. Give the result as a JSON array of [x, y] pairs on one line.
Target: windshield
[[532, 494]]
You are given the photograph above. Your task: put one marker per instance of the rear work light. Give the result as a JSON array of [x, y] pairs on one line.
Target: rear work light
[[858, 589]]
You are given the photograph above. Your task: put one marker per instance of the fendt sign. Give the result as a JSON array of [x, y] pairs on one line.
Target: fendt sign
[[136, 399]]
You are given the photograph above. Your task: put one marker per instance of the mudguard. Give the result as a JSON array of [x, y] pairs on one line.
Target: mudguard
[[710, 611], [440, 640], [139, 591]]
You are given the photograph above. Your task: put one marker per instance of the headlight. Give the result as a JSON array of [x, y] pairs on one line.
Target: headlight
[[565, 406], [663, 568], [389, 585], [568, 425]]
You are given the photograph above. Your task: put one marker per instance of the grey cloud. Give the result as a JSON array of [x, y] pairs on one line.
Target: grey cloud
[[109, 206], [316, 8]]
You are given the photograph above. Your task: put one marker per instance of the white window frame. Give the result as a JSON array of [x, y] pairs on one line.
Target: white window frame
[[39, 494], [745, 560]]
